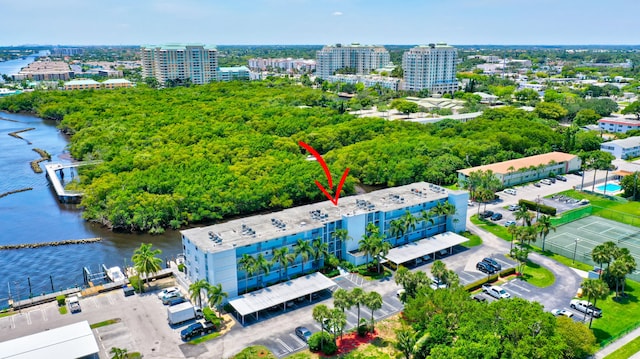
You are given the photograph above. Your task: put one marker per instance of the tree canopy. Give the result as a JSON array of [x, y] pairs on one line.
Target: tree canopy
[[199, 154]]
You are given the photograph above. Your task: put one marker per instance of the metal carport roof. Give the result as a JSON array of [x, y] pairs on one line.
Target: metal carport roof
[[280, 293], [417, 249]]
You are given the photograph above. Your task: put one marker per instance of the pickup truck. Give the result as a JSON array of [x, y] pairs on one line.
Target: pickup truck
[[586, 307], [197, 329], [495, 291]]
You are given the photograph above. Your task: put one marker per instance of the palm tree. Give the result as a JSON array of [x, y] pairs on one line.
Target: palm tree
[[396, 229], [600, 290], [588, 286], [599, 255], [544, 225], [513, 231], [618, 271], [303, 250], [367, 245], [357, 298], [408, 224], [382, 249], [427, 217], [627, 262], [282, 257], [610, 249], [529, 234], [337, 321], [145, 260], [373, 301], [320, 313], [319, 251], [438, 270], [451, 279], [247, 264], [262, 266], [215, 296], [523, 214], [196, 289], [341, 234], [342, 299], [406, 341]]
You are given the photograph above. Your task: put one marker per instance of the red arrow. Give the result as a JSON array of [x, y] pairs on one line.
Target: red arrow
[[327, 173]]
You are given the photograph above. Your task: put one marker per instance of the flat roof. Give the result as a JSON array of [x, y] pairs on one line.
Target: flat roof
[[233, 69], [620, 121], [71, 341], [629, 142], [526, 162], [82, 82], [417, 249], [116, 81], [280, 293], [260, 228]]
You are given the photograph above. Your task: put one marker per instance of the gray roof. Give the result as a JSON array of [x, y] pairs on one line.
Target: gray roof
[[71, 341], [280, 293], [625, 142], [260, 228], [423, 247]]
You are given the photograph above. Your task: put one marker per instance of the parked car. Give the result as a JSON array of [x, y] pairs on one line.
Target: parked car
[[166, 291], [552, 179], [496, 216], [513, 207], [303, 333], [586, 307], [197, 329], [400, 292], [559, 312], [537, 184], [509, 223], [173, 295], [546, 181], [495, 291], [74, 304], [437, 284], [510, 191], [485, 268], [492, 262], [486, 214], [480, 297], [561, 178]]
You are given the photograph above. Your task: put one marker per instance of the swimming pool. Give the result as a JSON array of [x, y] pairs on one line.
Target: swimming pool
[[610, 187]]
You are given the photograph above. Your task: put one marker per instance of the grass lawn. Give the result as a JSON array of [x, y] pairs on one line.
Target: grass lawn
[[105, 323], [618, 317], [537, 275], [204, 338], [491, 227], [256, 351], [474, 240], [626, 351]]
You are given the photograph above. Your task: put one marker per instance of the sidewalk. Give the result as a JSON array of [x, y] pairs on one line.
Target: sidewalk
[[619, 343]]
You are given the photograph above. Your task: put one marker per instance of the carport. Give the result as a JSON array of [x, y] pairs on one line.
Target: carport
[[423, 247], [262, 299]]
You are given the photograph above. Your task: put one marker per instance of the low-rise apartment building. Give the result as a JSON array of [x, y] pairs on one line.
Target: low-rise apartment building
[[527, 169], [624, 148], [216, 252], [618, 123]]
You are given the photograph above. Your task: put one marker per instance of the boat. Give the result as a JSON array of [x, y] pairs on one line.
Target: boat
[[115, 274]]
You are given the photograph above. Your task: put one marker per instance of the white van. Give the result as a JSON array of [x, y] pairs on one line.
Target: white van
[[510, 191]]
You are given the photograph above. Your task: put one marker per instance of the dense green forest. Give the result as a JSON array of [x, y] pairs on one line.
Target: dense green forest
[[203, 153]]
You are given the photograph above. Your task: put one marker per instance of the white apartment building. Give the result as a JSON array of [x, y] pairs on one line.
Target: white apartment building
[[361, 58], [431, 67], [367, 80], [286, 65], [196, 62], [617, 123], [624, 148]]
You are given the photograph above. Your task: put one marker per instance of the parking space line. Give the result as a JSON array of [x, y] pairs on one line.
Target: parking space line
[[94, 301], [279, 341], [44, 314], [517, 286], [298, 340], [28, 318], [111, 300], [13, 323]]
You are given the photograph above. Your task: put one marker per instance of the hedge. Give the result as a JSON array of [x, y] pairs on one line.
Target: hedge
[[533, 206], [61, 299], [492, 278]]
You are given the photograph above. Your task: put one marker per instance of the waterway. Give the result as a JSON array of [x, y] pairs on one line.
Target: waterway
[[12, 67], [37, 216]]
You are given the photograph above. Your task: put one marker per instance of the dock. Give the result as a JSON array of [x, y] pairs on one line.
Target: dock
[[65, 196]]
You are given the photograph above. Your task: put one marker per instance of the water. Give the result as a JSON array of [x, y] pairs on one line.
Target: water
[[36, 216], [610, 187], [12, 67]]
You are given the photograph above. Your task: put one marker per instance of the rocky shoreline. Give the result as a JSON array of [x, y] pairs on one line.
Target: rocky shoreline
[[50, 244]]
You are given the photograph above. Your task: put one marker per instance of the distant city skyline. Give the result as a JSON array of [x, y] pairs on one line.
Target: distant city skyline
[[319, 22]]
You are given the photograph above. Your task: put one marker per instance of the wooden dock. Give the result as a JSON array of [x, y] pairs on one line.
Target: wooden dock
[[65, 196]]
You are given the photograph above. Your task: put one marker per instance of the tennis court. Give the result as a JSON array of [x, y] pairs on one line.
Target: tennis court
[[579, 237]]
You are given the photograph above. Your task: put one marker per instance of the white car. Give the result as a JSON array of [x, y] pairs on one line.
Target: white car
[[163, 293], [559, 312], [510, 191]]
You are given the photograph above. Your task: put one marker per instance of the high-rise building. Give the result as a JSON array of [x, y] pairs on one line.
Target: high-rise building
[[360, 59], [196, 62], [431, 67]]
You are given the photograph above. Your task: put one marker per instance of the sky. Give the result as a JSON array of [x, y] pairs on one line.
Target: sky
[[319, 22]]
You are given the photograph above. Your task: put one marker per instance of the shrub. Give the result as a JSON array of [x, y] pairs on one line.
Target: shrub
[[209, 314], [492, 278], [363, 328], [136, 283], [533, 206], [181, 267], [322, 341], [61, 299]]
